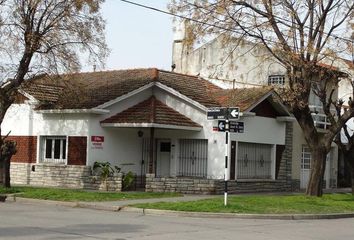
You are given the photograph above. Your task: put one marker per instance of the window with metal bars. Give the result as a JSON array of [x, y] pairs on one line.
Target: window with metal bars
[[305, 158], [254, 161], [53, 149], [193, 157], [276, 80]]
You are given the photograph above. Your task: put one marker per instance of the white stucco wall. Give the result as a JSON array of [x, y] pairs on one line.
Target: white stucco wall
[[22, 120], [122, 146], [243, 62], [257, 130], [18, 120]]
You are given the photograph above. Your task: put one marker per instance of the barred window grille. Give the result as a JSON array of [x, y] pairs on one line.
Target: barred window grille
[[254, 161], [306, 158], [53, 149], [276, 80], [193, 157]]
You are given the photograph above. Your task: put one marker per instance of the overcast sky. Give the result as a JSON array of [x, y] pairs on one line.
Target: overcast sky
[[137, 37]]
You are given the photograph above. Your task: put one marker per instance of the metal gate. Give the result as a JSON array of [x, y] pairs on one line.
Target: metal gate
[[193, 157], [254, 161]]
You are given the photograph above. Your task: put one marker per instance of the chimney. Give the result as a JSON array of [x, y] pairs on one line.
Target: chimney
[[178, 48]]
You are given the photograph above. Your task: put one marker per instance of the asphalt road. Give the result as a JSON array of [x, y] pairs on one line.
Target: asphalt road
[[27, 221]]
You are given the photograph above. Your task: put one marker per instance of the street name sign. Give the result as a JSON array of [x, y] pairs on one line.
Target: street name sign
[[232, 113], [236, 127], [216, 113]]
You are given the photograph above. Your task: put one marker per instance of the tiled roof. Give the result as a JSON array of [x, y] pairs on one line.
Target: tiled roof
[[46, 93], [89, 90], [243, 98], [151, 111]]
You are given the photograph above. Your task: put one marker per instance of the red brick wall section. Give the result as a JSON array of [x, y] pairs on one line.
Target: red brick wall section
[[26, 149], [77, 148]]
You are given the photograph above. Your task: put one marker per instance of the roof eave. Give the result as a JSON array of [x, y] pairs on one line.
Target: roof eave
[[60, 111], [151, 125]]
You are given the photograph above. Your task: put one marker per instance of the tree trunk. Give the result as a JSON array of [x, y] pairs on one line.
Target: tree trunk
[[318, 165], [348, 156], [352, 178], [8, 149], [6, 175], [349, 160]]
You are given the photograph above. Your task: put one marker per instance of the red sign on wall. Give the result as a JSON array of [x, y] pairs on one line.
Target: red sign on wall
[[97, 139], [97, 142]]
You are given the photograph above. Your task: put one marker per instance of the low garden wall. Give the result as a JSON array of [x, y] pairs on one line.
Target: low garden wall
[[181, 185], [214, 186], [63, 176]]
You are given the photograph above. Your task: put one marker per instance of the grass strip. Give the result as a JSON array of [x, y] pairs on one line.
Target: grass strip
[[72, 195], [260, 204]]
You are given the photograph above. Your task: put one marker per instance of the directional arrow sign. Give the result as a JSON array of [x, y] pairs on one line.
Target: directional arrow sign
[[221, 126], [234, 113]]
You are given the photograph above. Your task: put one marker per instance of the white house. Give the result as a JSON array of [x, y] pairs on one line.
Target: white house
[[153, 123], [242, 64]]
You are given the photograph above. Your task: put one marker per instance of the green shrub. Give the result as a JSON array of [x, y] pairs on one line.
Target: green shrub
[[128, 180], [105, 170]]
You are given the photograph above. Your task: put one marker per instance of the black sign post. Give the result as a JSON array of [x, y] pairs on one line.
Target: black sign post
[[224, 125], [227, 130]]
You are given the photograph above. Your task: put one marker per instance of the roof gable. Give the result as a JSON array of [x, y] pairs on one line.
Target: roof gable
[[266, 109], [151, 111]]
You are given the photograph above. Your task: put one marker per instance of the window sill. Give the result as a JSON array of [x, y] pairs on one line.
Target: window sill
[[51, 163], [256, 180]]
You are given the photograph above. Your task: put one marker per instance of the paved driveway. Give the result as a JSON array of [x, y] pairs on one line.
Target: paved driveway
[[33, 221]]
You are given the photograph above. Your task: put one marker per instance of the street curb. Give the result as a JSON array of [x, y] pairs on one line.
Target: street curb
[[238, 215], [158, 212], [14, 198], [99, 207]]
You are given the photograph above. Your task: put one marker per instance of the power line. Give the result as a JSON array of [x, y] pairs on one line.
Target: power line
[[220, 27], [188, 18]]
